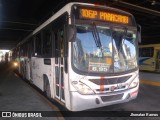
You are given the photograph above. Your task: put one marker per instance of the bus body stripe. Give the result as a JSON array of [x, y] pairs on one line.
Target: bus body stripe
[[102, 84]]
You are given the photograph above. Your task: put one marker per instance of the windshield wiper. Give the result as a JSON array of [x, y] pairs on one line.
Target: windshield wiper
[[96, 36]]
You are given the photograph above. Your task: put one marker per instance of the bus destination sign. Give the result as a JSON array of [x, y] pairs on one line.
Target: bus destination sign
[[103, 16]]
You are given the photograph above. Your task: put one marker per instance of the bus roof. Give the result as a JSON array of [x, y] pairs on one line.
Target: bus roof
[[66, 8]]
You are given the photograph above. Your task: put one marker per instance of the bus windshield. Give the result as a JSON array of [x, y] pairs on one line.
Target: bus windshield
[[117, 52]]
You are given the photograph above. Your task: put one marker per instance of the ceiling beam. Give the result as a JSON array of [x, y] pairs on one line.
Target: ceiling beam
[[136, 7], [15, 22], [5, 44], [7, 47], [16, 29]]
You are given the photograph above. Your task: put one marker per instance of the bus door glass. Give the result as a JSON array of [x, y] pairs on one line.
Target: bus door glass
[[59, 64], [157, 59]]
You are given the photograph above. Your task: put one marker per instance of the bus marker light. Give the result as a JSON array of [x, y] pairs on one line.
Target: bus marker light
[[133, 94]]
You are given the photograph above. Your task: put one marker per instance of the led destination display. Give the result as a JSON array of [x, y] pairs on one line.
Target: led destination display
[[86, 13]]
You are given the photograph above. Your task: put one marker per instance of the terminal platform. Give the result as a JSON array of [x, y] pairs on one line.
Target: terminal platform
[[17, 95]]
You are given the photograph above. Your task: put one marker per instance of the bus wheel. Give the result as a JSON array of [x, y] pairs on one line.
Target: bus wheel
[[48, 91]]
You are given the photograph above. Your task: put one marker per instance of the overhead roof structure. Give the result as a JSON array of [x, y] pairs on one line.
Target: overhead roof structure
[[20, 17]]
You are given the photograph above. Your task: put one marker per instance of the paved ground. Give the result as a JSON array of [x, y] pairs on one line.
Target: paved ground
[[148, 100], [17, 95], [155, 77]]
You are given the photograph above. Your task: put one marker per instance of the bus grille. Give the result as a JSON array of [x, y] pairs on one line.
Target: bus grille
[[111, 98], [110, 81]]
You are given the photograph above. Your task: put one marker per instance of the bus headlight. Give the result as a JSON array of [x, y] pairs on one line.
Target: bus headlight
[[15, 64], [134, 83], [82, 88]]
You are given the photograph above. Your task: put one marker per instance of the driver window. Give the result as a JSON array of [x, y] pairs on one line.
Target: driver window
[[61, 39]]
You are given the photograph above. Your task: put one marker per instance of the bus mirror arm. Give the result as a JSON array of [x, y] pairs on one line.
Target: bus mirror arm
[[139, 33], [71, 33]]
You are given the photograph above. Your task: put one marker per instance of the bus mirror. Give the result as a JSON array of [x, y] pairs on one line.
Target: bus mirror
[[71, 33], [139, 33]]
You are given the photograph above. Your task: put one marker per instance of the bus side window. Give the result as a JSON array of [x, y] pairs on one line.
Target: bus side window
[[38, 45], [146, 52], [61, 38], [56, 49], [140, 52], [30, 48], [47, 43]]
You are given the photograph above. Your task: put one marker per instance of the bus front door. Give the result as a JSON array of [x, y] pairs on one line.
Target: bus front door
[[157, 60], [59, 66]]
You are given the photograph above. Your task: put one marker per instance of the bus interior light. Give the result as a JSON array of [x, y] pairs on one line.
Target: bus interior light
[[82, 88]]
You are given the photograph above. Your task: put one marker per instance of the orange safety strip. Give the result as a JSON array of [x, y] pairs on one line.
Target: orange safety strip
[[102, 84], [150, 82]]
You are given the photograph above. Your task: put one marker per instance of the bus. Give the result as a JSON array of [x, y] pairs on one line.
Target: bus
[[84, 56], [149, 57]]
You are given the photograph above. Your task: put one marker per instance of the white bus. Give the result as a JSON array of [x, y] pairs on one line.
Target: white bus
[[84, 56]]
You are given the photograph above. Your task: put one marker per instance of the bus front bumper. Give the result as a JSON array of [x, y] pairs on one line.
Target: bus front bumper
[[81, 102]]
